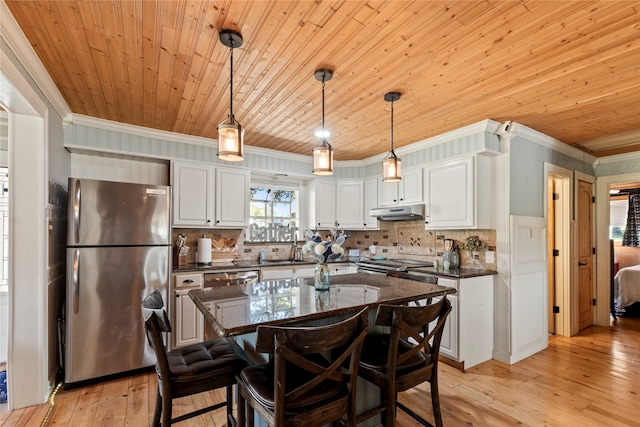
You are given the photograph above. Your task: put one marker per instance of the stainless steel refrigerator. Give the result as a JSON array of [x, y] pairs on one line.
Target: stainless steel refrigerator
[[118, 251]]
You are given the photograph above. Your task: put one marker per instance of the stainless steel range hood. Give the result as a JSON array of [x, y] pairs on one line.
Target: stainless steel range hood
[[399, 213]]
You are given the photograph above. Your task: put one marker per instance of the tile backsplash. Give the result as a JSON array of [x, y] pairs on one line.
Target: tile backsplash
[[400, 239]]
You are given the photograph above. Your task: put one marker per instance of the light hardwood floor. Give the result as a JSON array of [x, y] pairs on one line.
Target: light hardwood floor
[[592, 379]]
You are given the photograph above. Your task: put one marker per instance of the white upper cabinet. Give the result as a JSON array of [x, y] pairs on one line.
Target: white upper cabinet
[[370, 202], [405, 192], [458, 193], [322, 204], [350, 205], [232, 197], [192, 194]]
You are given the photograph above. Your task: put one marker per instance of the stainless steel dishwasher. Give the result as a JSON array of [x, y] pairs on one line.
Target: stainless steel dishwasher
[[230, 278]]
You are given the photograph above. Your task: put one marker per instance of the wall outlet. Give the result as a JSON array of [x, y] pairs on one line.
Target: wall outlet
[[490, 257]]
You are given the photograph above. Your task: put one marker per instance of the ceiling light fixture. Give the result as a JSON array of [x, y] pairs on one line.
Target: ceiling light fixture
[[391, 164], [230, 132], [322, 153]]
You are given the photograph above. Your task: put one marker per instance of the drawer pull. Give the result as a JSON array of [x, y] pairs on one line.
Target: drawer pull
[[187, 281]]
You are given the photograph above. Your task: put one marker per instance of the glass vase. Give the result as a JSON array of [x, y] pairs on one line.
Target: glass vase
[[474, 261], [321, 279]]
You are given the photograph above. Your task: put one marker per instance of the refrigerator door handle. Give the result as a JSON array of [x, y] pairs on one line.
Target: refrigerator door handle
[[76, 212], [76, 274]]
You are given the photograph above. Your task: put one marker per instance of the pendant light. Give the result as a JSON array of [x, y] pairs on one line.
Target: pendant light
[[322, 153], [391, 164], [230, 132]]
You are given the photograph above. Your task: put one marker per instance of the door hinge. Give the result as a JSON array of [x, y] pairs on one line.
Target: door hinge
[[593, 251], [556, 252], [593, 199], [556, 309], [556, 196], [594, 301]]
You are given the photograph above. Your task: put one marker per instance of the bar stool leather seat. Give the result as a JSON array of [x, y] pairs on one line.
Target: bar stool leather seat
[[192, 369]]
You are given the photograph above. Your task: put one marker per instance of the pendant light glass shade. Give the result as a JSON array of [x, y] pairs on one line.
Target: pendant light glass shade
[[391, 164], [230, 132], [391, 168], [323, 159], [323, 153]]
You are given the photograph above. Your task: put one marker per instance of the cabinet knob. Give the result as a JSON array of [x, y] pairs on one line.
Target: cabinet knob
[[217, 221], [208, 221]]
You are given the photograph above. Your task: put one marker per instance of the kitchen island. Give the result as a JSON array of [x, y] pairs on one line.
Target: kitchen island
[[237, 311], [240, 309]]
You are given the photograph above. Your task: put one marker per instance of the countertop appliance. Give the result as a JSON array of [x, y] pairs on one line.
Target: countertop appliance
[[118, 252], [399, 213], [393, 264]]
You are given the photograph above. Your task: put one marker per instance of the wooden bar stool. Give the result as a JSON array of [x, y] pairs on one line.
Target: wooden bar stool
[[192, 369], [300, 386], [404, 358]]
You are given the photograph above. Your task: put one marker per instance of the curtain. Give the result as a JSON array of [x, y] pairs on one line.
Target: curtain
[[631, 235]]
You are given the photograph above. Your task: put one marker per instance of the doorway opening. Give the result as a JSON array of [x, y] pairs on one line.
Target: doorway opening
[[558, 214]]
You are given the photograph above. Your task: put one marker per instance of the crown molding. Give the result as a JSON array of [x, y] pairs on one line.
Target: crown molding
[[618, 158], [487, 125], [129, 129], [551, 143], [12, 34]]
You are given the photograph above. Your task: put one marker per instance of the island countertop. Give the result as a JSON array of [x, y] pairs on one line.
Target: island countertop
[[239, 309]]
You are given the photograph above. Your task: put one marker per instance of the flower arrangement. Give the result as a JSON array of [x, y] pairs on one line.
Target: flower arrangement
[[472, 243], [324, 250]]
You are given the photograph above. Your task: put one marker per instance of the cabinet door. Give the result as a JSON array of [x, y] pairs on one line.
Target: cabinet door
[[350, 205], [450, 193], [188, 323], [411, 187], [322, 204], [192, 194], [232, 197], [449, 341], [407, 191], [370, 202], [388, 193]]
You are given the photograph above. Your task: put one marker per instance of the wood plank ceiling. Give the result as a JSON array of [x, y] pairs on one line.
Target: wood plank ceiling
[[569, 69]]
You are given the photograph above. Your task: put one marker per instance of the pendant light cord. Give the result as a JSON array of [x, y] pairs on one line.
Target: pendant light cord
[[391, 132], [231, 119], [324, 135]]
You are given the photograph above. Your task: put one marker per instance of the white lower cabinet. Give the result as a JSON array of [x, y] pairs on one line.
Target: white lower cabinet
[[341, 268], [187, 321], [304, 271], [468, 333], [294, 272]]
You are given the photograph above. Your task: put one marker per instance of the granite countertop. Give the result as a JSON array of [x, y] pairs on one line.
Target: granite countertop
[[239, 309], [456, 273], [246, 264]]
